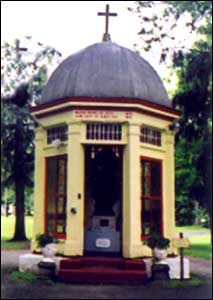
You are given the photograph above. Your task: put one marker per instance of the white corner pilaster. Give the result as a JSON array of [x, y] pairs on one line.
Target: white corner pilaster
[[131, 193], [39, 185], [75, 192], [169, 186]]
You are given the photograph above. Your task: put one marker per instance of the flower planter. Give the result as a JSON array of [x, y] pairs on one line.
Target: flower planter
[[49, 251], [159, 255]]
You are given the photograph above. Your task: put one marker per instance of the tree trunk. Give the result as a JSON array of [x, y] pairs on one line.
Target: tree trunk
[[6, 209], [19, 234], [210, 203], [209, 181]]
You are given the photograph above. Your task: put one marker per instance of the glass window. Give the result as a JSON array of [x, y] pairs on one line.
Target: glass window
[[102, 131], [56, 196], [59, 132], [155, 179], [146, 187], [151, 215], [150, 136]]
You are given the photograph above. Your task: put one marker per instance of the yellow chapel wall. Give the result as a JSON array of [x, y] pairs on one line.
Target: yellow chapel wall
[[133, 150], [133, 245]]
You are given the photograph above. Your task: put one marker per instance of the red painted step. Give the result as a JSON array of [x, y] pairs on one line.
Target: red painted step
[[102, 270], [91, 262], [78, 262]]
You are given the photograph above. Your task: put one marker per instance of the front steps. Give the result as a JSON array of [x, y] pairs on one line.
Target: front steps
[[107, 270]]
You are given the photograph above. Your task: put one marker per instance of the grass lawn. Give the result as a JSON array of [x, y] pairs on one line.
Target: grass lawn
[[190, 228], [174, 283], [7, 230], [200, 245]]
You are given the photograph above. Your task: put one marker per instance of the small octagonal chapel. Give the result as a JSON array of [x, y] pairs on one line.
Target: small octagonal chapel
[[104, 168]]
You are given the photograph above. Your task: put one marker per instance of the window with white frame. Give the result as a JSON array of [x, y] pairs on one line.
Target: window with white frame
[[104, 131], [59, 132], [150, 136]]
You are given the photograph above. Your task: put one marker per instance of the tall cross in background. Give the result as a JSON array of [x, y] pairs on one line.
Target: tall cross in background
[[18, 49], [106, 36]]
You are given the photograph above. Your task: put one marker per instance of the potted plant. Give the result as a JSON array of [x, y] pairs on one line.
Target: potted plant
[[158, 244], [47, 243]]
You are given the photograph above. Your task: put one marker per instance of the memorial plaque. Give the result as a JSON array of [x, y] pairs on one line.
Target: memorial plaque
[[181, 243], [103, 243]]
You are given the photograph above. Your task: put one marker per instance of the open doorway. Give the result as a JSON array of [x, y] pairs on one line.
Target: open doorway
[[103, 199]]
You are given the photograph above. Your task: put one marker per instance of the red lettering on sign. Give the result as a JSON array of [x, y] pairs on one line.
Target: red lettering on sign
[[128, 115], [88, 114]]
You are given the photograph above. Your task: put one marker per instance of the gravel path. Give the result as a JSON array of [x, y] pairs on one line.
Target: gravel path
[[71, 291], [201, 267], [10, 258], [194, 233]]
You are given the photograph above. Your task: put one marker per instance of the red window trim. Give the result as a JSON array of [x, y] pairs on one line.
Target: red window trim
[[56, 195], [160, 198]]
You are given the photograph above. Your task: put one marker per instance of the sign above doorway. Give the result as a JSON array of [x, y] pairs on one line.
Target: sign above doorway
[[102, 115]]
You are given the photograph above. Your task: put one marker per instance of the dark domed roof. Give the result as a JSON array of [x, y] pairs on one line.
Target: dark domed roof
[[106, 70]]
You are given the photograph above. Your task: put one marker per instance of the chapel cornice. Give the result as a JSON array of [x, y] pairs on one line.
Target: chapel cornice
[[121, 104]]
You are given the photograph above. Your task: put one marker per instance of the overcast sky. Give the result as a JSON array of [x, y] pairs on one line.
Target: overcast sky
[[68, 25]]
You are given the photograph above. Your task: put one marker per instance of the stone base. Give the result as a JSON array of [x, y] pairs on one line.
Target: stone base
[[160, 272], [29, 263], [174, 264]]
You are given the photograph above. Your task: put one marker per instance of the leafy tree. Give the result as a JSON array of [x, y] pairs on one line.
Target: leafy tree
[[195, 135], [160, 20], [189, 182], [193, 66], [22, 83]]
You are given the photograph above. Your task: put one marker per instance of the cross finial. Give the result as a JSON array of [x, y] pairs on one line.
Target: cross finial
[[18, 48], [106, 36]]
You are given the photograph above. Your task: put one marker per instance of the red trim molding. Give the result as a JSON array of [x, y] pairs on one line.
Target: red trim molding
[[105, 100]]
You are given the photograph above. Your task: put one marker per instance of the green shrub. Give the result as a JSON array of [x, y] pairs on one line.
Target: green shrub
[[156, 241], [202, 216], [43, 239]]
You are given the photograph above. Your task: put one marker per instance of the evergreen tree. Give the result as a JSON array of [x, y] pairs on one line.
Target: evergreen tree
[[22, 84]]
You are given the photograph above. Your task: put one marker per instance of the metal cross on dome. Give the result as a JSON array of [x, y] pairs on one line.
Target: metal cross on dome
[[107, 14]]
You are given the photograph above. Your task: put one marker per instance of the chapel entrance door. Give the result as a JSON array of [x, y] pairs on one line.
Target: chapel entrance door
[[103, 199]]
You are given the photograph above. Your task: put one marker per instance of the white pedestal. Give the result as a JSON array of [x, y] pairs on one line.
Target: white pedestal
[[29, 263], [174, 264]]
